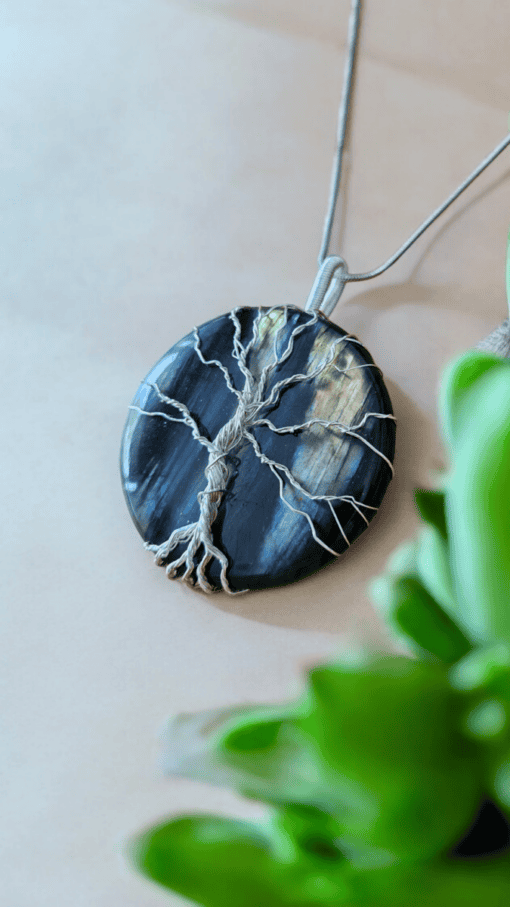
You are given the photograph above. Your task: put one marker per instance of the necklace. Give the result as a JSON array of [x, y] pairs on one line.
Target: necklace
[[261, 445]]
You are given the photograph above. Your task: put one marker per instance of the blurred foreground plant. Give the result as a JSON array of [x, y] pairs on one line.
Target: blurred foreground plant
[[388, 781]]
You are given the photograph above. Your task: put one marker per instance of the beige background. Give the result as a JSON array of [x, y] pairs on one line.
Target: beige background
[[162, 161]]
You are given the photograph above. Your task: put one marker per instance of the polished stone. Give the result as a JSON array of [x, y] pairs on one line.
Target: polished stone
[[267, 543]]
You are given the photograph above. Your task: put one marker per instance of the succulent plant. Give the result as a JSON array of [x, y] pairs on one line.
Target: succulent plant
[[387, 783]]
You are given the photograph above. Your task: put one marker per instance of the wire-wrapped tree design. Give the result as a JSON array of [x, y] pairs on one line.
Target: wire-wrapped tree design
[[260, 395]]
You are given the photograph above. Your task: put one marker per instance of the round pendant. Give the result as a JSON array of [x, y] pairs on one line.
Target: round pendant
[[257, 449]]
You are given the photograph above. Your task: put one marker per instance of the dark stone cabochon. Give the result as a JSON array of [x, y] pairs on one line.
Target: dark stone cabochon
[[267, 544]]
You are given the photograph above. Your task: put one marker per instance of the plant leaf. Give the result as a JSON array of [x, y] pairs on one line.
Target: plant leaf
[[403, 781], [210, 860], [272, 760], [434, 570], [414, 615], [486, 669], [189, 744], [431, 505], [420, 617], [478, 497], [218, 862], [458, 379], [377, 748], [462, 884]]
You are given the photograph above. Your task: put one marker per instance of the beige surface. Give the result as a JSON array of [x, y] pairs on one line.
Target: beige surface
[[161, 162]]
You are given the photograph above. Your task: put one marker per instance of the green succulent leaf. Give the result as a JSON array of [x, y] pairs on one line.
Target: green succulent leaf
[[500, 779], [484, 669], [420, 617], [272, 760], [431, 505], [405, 782], [433, 568], [446, 884], [454, 399], [403, 560], [216, 862], [377, 748], [188, 744], [210, 860], [484, 676], [476, 402], [414, 615]]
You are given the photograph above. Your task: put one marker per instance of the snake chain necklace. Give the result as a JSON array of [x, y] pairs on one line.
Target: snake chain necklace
[[261, 445]]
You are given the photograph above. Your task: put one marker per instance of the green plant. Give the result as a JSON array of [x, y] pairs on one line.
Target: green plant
[[376, 773]]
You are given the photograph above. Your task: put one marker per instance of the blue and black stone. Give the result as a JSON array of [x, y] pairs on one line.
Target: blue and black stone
[[266, 543]]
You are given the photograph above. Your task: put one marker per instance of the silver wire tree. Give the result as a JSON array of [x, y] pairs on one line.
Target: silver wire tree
[[258, 395]]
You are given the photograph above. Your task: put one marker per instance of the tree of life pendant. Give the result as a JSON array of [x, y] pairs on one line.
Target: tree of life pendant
[[257, 449]]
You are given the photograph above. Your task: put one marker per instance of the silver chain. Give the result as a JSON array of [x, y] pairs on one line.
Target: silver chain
[[333, 272]]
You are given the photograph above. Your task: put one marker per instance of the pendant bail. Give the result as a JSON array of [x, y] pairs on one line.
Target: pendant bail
[[327, 286]]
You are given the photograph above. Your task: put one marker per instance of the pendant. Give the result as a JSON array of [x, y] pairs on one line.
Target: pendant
[[257, 449]]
